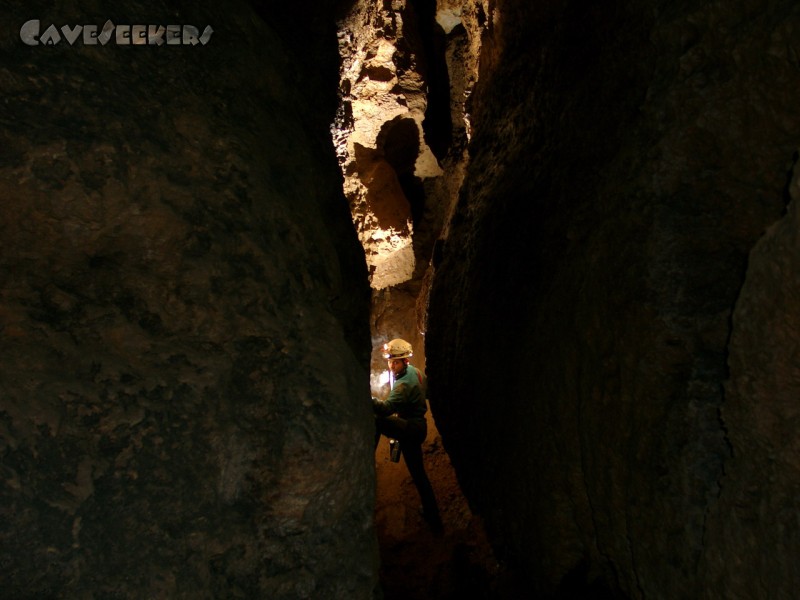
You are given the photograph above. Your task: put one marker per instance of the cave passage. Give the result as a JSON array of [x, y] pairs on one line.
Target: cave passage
[[395, 138], [583, 217]]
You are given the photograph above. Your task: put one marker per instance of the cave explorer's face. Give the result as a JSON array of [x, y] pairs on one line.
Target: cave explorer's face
[[396, 365]]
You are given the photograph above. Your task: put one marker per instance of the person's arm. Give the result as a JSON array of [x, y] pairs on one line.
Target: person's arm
[[391, 405]]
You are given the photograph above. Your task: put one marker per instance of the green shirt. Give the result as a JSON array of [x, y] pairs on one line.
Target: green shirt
[[407, 397]]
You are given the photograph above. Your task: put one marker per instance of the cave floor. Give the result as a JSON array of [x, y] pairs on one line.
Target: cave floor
[[415, 563]]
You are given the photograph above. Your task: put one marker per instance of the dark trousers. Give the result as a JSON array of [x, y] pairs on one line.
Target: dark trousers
[[411, 433]]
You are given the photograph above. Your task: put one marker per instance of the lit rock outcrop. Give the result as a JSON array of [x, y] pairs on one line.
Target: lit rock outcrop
[[407, 72], [408, 69], [380, 133]]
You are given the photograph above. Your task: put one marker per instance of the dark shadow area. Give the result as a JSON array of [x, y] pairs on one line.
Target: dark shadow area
[[578, 584], [399, 141], [438, 125]]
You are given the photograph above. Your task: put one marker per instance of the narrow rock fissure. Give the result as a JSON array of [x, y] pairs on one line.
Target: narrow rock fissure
[[393, 137]]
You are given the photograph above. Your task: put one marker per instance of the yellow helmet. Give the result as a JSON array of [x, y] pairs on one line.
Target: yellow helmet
[[397, 348]]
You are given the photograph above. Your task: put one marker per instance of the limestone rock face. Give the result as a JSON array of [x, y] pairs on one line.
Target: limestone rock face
[[183, 305], [622, 426], [379, 139], [408, 69]]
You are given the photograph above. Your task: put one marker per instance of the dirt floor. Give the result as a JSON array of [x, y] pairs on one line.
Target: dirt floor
[[416, 564]]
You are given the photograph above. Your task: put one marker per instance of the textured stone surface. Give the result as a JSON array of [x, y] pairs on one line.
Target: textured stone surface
[[183, 306], [408, 69], [625, 160], [761, 417], [379, 132]]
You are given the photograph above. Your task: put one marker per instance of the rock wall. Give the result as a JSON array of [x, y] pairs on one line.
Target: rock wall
[[184, 315], [757, 507], [379, 136], [407, 71], [609, 343]]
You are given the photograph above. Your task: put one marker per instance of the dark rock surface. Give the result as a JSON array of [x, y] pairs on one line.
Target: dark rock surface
[[626, 160], [761, 418], [183, 307]]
